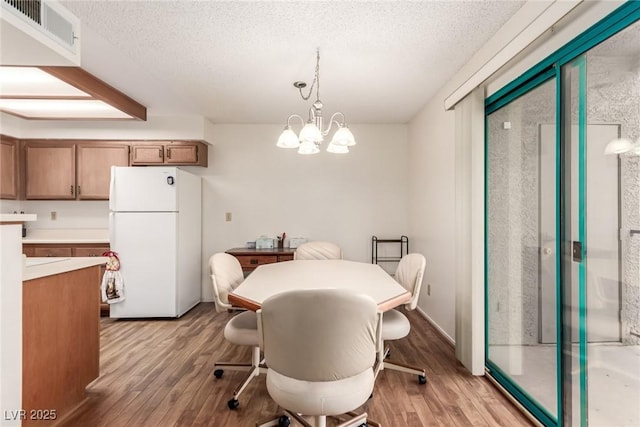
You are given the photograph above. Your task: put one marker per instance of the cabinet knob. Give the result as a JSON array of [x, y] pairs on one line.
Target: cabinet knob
[[168, 152], [71, 189], [160, 152], [78, 190]]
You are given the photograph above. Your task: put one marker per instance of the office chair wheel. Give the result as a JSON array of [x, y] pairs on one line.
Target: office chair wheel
[[422, 379], [233, 404], [218, 373], [284, 421]]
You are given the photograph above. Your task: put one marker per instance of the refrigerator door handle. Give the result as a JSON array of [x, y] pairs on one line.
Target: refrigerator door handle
[[112, 188], [111, 230]]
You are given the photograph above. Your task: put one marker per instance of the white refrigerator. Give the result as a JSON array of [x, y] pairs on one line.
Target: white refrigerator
[[155, 227]]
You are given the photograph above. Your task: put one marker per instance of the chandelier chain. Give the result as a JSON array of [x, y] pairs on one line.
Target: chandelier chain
[[316, 80]]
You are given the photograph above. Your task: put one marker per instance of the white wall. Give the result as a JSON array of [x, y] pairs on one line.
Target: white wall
[[431, 207], [269, 190], [156, 127], [69, 214]]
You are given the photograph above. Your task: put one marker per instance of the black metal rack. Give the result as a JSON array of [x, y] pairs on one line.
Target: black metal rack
[[403, 242]]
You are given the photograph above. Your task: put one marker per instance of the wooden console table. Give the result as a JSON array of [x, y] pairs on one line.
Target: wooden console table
[[250, 259]]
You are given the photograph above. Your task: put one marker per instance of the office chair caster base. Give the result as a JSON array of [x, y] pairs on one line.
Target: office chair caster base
[[218, 373], [233, 404], [422, 379], [284, 421]]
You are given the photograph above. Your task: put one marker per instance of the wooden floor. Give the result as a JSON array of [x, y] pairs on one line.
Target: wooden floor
[[159, 373]]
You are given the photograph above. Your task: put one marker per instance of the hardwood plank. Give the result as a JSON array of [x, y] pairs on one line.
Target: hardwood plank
[[160, 373]]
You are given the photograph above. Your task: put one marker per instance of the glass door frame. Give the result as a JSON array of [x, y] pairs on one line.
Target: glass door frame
[[551, 68]]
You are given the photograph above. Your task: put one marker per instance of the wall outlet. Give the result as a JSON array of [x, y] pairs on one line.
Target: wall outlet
[[54, 215], [428, 289], [227, 216]]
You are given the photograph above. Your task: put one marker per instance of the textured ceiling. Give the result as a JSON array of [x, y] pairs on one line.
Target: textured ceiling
[[235, 62]]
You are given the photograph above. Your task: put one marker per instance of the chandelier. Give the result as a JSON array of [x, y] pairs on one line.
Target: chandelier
[[312, 133]]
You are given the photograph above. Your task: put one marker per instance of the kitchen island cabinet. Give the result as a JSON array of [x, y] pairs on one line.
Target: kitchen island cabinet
[[60, 336], [70, 250]]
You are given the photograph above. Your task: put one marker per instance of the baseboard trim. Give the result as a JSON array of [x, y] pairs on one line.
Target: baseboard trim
[[441, 331]]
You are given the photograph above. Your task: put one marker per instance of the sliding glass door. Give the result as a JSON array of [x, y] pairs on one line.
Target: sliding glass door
[[521, 247], [563, 232], [601, 174]]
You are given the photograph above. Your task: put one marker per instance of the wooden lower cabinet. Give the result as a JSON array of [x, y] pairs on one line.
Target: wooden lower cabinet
[[70, 250]]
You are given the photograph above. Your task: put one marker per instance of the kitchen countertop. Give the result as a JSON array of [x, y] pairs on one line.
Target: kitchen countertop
[[69, 235], [48, 266], [11, 218]]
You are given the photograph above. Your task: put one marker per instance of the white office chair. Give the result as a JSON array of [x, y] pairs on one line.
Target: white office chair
[[395, 325], [242, 329], [320, 345], [318, 250]]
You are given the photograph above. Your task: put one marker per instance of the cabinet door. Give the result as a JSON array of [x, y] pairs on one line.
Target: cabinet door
[[86, 251], [50, 171], [54, 251], [94, 168], [181, 154], [8, 169], [147, 154]]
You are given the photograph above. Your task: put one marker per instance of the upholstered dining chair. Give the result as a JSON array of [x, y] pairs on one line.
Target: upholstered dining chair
[[242, 329], [320, 345], [318, 250], [395, 325]]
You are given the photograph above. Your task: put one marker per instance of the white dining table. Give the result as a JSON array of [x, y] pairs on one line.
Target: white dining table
[[365, 278]]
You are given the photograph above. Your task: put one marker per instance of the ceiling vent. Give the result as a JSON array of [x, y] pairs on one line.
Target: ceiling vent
[[47, 18]]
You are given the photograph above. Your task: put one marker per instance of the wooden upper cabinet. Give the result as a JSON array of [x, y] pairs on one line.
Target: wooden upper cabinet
[[181, 154], [177, 153], [50, 171], [8, 168], [94, 168], [41, 169], [151, 154]]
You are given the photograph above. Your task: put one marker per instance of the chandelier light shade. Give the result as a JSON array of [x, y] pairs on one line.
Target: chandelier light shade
[[288, 139], [312, 134]]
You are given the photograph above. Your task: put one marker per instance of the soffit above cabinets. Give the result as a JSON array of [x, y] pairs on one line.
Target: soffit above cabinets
[[55, 92]]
